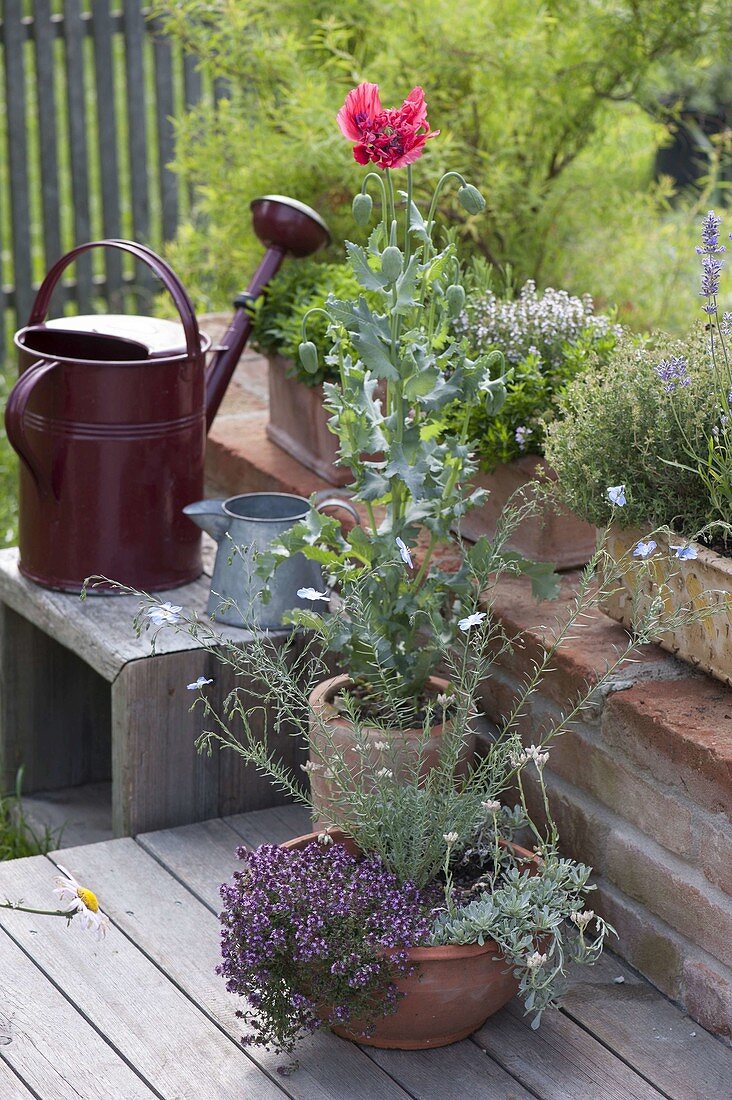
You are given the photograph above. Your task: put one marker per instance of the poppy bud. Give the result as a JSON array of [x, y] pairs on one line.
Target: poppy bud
[[455, 297], [495, 396], [362, 207], [391, 263], [471, 199], [308, 356]]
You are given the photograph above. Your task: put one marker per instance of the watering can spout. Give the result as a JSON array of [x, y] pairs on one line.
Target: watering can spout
[[284, 226], [210, 516]]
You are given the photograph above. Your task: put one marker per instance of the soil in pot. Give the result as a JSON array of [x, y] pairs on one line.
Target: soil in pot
[[403, 744], [451, 993]]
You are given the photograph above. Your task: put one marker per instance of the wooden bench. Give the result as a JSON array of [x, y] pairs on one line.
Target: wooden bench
[[82, 700]]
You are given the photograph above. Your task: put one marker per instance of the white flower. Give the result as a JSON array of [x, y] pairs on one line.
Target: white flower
[[381, 746], [644, 549], [445, 700], [491, 806], [310, 766], [384, 773], [533, 752], [616, 495], [78, 900], [472, 620], [582, 919], [685, 553], [450, 839], [164, 614], [404, 552], [325, 838], [313, 594], [198, 684], [535, 961]]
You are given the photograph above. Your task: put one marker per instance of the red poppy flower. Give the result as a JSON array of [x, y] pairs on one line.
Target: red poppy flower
[[389, 138]]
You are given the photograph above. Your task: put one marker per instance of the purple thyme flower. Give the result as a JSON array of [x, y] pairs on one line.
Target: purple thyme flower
[[521, 436], [710, 245], [674, 372]]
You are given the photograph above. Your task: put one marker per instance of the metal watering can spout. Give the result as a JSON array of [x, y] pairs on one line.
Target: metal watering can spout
[[210, 516], [284, 226]]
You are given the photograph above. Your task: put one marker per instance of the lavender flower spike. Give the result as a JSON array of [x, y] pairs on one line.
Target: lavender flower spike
[[710, 245], [711, 270], [521, 436]]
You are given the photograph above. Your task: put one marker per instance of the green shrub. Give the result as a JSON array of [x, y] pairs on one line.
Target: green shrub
[[551, 108], [547, 339], [618, 427], [298, 288]]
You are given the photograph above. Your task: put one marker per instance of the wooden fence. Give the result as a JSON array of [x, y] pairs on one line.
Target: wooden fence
[[91, 91]]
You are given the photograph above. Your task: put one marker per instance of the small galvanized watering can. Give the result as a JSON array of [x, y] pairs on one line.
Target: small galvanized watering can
[[247, 524], [110, 414]]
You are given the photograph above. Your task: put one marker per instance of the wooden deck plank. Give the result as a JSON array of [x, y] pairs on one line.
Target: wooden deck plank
[[11, 1087], [272, 826], [201, 855], [648, 1032], [48, 1043], [560, 1060], [181, 936], [458, 1072], [150, 1022]]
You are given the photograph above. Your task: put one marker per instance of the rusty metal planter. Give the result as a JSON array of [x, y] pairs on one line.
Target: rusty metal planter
[[701, 582], [554, 535]]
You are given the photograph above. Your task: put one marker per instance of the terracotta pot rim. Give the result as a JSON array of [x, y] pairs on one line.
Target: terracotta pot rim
[[322, 695], [449, 952]]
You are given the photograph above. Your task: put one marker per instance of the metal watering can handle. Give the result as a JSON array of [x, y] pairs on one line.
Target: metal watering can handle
[[15, 418], [164, 272], [326, 499]]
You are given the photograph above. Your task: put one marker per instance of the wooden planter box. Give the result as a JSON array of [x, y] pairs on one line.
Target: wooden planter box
[[553, 535], [704, 581], [298, 423]]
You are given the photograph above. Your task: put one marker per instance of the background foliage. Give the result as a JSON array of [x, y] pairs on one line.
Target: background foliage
[[553, 108]]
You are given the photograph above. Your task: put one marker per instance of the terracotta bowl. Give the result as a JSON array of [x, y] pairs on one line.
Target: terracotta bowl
[[450, 995]]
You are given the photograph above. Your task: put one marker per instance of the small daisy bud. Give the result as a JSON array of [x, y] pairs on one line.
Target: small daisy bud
[[450, 839]]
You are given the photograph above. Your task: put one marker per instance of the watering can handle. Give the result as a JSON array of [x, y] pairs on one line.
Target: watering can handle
[[326, 499], [15, 416], [164, 272]]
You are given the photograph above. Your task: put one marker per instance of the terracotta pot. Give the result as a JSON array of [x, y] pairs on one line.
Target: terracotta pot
[[298, 423], [556, 536], [341, 731], [705, 581], [450, 995]]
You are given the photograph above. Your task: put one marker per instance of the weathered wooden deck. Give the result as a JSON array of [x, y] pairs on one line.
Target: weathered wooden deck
[[144, 1015]]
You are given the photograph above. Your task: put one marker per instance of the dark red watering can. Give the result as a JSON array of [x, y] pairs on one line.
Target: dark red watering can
[[109, 417]]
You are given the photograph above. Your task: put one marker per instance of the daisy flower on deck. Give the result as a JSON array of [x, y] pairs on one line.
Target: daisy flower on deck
[[82, 902]]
